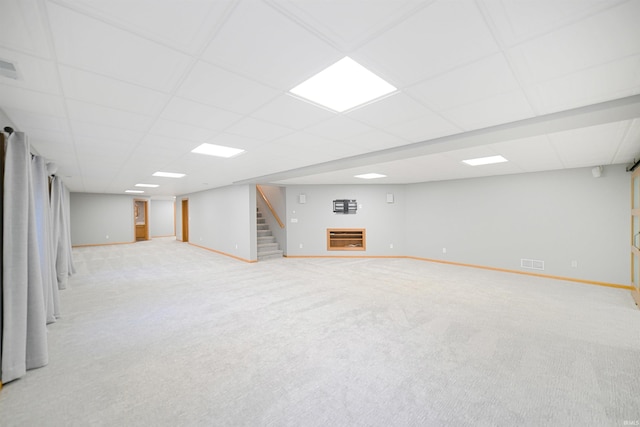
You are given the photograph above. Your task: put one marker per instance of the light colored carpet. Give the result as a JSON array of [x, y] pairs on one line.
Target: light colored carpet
[[164, 333]]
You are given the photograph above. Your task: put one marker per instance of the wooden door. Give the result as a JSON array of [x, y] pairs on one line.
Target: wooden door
[[185, 220]]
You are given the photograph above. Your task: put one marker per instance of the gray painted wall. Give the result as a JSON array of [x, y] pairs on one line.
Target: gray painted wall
[[277, 196], [223, 219], [558, 217], [101, 219], [307, 223], [161, 218]]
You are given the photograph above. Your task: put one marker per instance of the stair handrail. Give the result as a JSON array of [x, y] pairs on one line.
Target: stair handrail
[[273, 212]]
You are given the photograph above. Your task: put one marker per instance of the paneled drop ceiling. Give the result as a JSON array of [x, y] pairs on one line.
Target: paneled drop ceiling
[[113, 91]]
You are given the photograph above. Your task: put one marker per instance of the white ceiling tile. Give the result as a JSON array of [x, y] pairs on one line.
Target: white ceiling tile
[[179, 146], [200, 115], [173, 129], [338, 128], [283, 54], [429, 126], [348, 24], [50, 143], [374, 140], [258, 129], [33, 73], [96, 114], [21, 27], [219, 88], [321, 149], [106, 132], [236, 141], [292, 113], [482, 79], [609, 36], [495, 110], [394, 109], [96, 89], [31, 101], [436, 39], [28, 120], [530, 154], [184, 25], [629, 149], [103, 149], [589, 146], [517, 21], [92, 45], [616, 79]]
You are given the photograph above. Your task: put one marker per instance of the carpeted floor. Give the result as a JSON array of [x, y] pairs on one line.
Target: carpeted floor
[[164, 333]]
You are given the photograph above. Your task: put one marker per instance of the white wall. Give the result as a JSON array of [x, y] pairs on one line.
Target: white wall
[[101, 219], [161, 218], [307, 223], [557, 217], [222, 219]]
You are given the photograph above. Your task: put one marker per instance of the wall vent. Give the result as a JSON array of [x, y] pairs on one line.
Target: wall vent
[[533, 264], [8, 69]]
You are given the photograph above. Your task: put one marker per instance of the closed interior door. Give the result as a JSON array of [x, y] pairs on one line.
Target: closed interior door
[[141, 218], [185, 220]]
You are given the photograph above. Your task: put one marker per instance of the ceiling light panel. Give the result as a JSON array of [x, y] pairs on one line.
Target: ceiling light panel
[[134, 191], [370, 176], [217, 150], [147, 185], [485, 161], [169, 174], [344, 85]]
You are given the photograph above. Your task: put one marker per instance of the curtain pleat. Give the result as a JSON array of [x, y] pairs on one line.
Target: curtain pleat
[[2, 145], [24, 338], [61, 232], [44, 222]]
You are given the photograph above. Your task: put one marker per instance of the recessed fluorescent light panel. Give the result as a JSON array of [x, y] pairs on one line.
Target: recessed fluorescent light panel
[[169, 174], [217, 150], [485, 161], [147, 185], [344, 85], [134, 191], [370, 176]]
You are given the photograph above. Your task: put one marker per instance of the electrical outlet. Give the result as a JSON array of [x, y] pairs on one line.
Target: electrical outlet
[[390, 245], [300, 245], [107, 236], [574, 264], [444, 250]]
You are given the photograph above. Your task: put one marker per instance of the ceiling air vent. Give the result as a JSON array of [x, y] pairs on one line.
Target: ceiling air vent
[[532, 263], [7, 69]]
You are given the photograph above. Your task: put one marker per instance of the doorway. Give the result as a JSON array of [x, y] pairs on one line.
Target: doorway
[[185, 220], [141, 219]]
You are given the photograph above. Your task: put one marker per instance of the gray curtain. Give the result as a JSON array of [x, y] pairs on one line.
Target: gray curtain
[[2, 145], [24, 332], [44, 222], [61, 232]]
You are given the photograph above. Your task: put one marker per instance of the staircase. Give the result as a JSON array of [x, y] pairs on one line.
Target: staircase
[[267, 246]]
